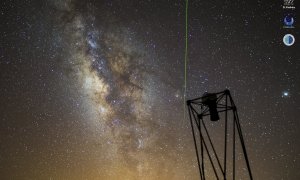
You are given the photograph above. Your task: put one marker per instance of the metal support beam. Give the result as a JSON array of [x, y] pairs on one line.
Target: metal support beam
[[199, 109]]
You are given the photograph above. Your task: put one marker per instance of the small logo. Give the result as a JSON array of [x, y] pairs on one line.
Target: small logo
[[288, 39], [288, 4], [288, 21]]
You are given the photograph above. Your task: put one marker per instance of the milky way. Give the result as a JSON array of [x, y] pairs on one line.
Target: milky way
[[115, 80]]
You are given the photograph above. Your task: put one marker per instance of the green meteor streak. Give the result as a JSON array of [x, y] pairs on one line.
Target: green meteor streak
[[185, 57]]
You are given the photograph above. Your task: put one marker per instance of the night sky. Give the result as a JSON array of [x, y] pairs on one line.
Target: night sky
[[95, 89]]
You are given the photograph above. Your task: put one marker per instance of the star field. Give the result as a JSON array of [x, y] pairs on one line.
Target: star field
[[95, 89]]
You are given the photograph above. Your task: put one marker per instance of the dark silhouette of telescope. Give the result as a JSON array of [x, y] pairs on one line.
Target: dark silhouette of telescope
[[210, 99], [217, 106]]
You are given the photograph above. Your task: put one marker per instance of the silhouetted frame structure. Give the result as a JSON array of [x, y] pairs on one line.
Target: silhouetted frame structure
[[213, 104]]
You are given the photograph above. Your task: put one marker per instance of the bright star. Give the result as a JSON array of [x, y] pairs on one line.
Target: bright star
[[285, 94]]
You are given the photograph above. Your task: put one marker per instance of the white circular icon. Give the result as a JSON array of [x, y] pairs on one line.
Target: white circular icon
[[288, 39]]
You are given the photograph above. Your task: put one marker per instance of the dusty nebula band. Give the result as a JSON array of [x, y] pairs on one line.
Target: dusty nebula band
[[116, 80]]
